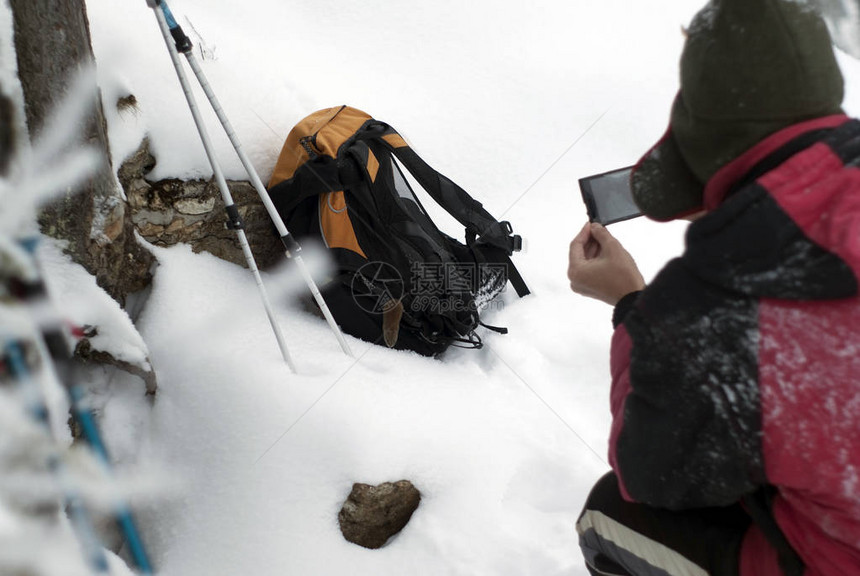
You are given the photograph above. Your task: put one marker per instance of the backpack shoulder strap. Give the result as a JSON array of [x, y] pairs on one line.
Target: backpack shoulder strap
[[489, 239], [456, 201]]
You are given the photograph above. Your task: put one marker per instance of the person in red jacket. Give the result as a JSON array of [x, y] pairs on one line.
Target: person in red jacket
[[735, 400]]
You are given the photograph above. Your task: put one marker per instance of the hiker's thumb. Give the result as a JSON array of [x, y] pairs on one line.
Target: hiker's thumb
[[602, 235]]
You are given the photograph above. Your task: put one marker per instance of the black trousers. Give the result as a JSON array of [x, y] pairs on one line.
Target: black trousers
[[628, 539]]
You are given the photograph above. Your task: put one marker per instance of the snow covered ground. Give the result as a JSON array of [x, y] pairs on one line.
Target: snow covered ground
[[514, 101]]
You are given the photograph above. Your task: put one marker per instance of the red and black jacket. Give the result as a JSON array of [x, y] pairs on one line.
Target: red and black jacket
[[739, 365]]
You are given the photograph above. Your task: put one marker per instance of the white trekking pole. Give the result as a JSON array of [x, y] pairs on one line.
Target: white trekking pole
[[292, 248], [234, 220]]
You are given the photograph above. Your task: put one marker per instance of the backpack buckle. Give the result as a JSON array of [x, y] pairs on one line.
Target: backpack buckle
[[501, 235], [516, 243]]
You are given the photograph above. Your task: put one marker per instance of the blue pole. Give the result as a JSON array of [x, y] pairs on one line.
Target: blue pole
[[78, 515], [168, 15], [56, 344], [122, 513]]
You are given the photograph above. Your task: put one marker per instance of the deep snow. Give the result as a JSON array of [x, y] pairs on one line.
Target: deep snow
[[512, 101]]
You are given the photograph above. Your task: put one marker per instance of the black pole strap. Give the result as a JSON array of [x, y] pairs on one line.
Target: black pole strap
[[234, 220], [291, 245]]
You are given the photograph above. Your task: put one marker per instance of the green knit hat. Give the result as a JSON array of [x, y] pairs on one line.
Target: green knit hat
[[749, 68]]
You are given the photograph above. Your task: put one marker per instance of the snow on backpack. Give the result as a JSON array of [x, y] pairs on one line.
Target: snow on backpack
[[399, 279]]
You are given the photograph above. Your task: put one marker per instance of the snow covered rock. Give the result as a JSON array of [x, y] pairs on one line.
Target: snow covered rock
[[373, 514], [172, 211]]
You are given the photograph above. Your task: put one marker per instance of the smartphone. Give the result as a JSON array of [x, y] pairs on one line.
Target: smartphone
[[608, 197]]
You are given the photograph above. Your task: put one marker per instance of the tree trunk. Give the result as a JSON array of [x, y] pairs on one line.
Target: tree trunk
[[7, 131], [52, 42]]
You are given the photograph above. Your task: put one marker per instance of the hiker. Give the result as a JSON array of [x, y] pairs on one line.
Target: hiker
[[735, 399]]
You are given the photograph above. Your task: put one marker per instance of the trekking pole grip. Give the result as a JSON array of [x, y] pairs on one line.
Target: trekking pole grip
[[183, 42]]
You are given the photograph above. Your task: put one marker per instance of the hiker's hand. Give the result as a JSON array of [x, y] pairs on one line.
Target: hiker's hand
[[599, 266]]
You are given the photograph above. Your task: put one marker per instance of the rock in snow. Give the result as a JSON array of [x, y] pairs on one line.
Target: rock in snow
[[373, 514]]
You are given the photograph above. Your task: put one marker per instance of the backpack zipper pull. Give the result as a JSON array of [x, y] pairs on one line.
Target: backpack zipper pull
[[308, 145]]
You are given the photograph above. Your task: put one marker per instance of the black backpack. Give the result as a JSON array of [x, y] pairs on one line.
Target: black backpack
[[399, 278]]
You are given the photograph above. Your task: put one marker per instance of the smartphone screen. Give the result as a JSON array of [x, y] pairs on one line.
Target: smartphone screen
[[608, 197]]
